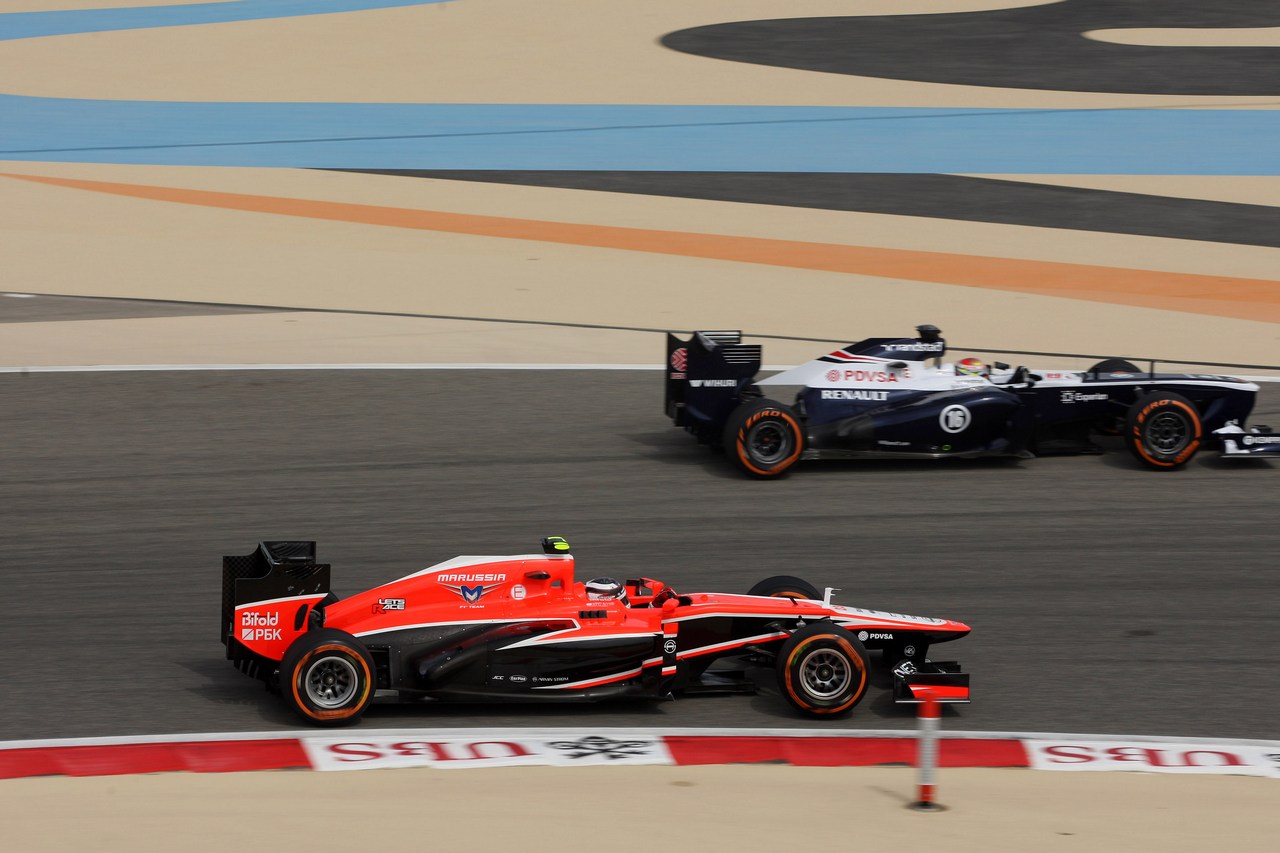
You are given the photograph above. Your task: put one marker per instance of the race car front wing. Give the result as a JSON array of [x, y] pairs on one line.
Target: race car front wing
[[1239, 443], [942, 679]]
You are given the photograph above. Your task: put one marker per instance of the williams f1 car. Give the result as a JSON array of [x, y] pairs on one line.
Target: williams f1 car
[[896, 398], [522, 629]]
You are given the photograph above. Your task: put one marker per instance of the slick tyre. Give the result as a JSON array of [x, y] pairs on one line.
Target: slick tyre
[[1115, 365], [327, 678], [1163, 430], [763, 438], [785, 586], [823, 671]]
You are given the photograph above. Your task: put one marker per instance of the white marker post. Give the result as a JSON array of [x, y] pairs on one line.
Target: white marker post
[[927, 752]]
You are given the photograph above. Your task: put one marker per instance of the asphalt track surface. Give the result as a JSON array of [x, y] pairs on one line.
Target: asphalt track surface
[[1104, 598]]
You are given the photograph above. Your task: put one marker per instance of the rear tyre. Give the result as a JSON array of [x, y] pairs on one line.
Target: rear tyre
[[822, 670], [785, 586], [1163, 430], [327, 677], [763, 438]]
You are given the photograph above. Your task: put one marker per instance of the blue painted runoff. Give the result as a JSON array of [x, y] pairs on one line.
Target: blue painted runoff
[[640, 137], [22, 25], [604, 136]]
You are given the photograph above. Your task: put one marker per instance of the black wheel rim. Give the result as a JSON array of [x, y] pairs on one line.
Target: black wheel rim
[[1168, 433], [769, 442]]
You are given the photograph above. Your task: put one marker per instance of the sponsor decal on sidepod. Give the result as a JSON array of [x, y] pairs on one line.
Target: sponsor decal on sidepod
[[851, 394], [483, 584], [1082, 397]]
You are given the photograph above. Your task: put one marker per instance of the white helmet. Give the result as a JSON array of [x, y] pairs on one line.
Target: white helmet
[[604, 589]]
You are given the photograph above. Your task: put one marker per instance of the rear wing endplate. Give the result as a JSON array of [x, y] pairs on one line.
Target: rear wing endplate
[[704, 378], [273, 570]]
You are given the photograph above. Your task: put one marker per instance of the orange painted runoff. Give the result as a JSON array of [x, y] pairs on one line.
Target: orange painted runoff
[[1223, 296]]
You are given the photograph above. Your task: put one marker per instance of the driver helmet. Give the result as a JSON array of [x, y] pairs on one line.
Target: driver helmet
[[972, 367], [603, 589]]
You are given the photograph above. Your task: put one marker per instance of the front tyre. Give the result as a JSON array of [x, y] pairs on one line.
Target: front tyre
[[786, 586], [822, 670], [1163, 430], [1113, 426], [1115, 365], [763, 438], [327, 677]]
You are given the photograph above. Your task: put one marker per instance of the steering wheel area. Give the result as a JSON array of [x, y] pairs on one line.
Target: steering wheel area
[[662, 595]]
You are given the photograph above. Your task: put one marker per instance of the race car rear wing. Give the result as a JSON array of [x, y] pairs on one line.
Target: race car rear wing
[[275, 570], [705, 378]]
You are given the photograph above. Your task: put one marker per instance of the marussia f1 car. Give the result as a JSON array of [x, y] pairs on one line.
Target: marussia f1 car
[[882, 398], [521, 629]]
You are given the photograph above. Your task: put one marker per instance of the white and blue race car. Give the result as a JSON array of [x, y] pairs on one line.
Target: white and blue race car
[[898, 398]]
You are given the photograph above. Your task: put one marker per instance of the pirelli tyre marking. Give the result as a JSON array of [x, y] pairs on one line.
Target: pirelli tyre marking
[[1165, 430], [329, 677], [768, 442], [821, 671]]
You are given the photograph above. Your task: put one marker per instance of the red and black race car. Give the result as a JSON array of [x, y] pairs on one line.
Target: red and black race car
[[522, 629]]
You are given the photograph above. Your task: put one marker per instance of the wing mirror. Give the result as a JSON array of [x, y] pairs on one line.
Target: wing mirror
[[555, 545]]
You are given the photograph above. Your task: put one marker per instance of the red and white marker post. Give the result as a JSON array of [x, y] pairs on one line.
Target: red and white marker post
[[927, 752]]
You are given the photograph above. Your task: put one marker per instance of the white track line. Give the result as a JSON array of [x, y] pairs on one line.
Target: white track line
[[179, 368], [622, 733], [129, 368]]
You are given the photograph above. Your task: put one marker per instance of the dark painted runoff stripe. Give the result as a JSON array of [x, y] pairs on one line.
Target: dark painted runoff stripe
[[1034, 47], [936, 196]]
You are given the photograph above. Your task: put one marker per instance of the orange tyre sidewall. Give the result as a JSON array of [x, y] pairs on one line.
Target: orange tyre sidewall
[[854, 658], [741, 443], [295, 679], [1187, 452]]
